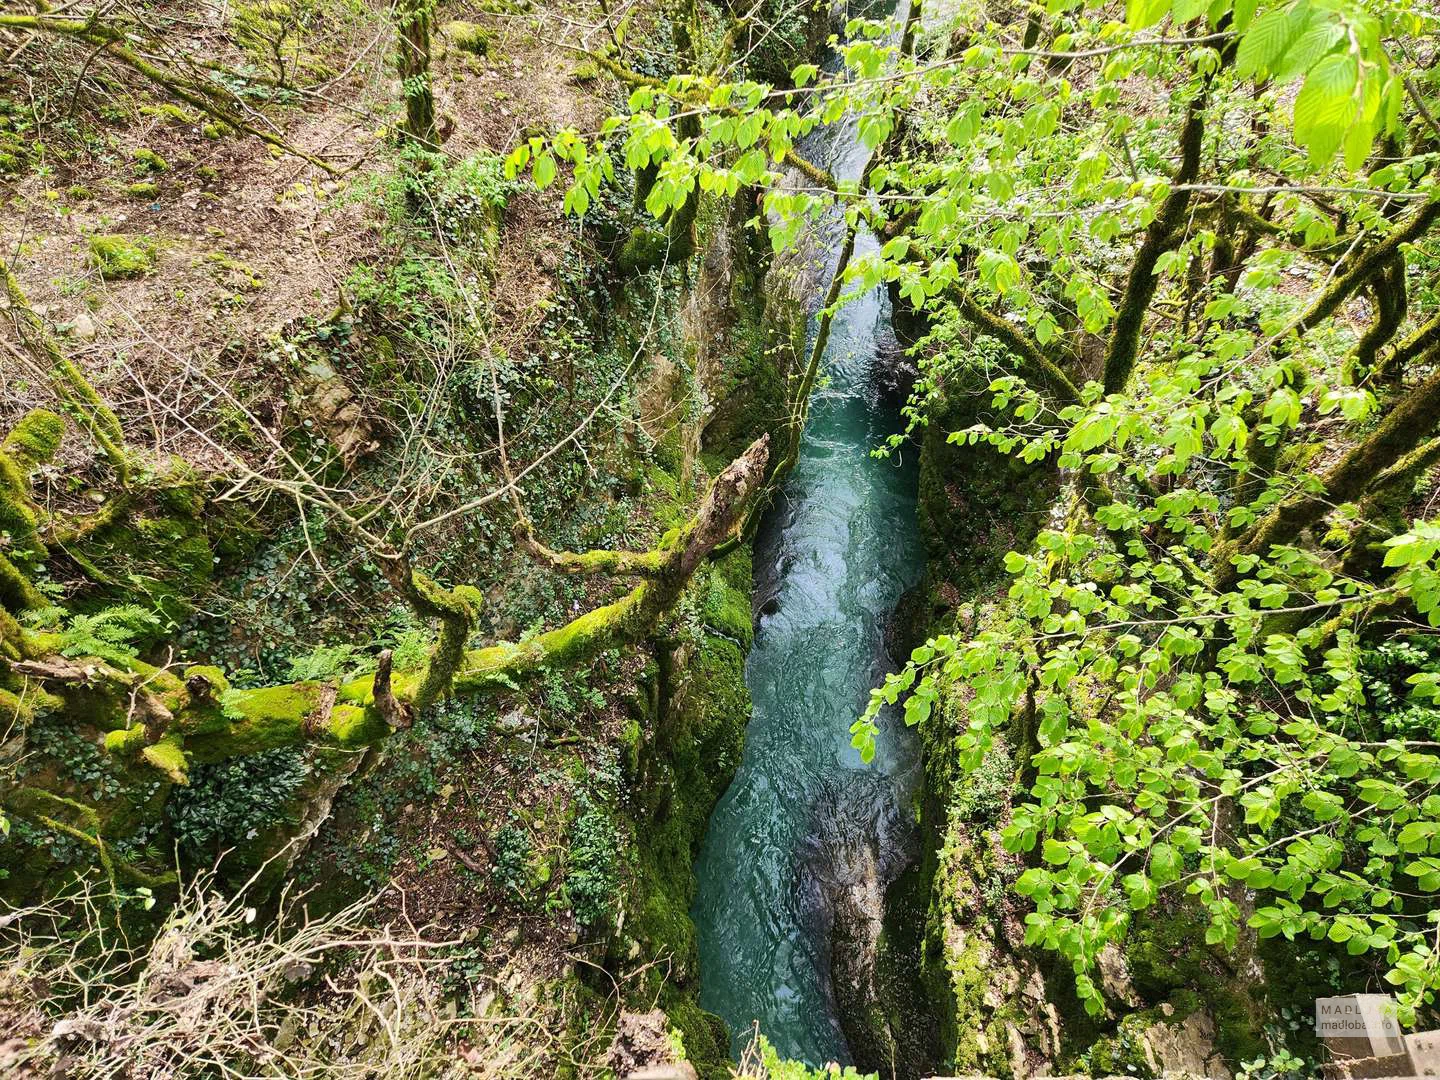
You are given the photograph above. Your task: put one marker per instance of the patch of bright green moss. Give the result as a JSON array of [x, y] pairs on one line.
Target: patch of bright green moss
[[143, 189], [149, 161], [725, 606], [125, 742], [168, 111], [118, 256], [468, 37], [35, 440]]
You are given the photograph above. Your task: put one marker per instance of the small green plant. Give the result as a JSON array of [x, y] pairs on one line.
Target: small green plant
[[122, 256], [231, 802], [512, 854], [109, 633], [777, 1068], [590, 880], [343, 661], [1282, 1066]]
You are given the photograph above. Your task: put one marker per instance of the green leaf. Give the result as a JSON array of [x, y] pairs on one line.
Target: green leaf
[[1142, 13], [1358, 141], [1318, 38], [1326, 106], [1241, 12], [544, 171], [1165, 864], [1265, 42]]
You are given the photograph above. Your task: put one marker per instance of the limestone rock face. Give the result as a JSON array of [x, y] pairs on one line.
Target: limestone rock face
[[1184, 1048], [642, 1049]]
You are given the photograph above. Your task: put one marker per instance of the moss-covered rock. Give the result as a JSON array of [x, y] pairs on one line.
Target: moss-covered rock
[[1169, 960], [468, 37], [694, 726], [119, 257], [149, 161], [725, 598]]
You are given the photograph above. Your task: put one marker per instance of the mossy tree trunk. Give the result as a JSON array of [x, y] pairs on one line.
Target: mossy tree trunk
[[412, 18]]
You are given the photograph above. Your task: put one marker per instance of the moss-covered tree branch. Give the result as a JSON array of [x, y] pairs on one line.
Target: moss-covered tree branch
[[1037, 368], [110, 40], [595, 561], [1403, 429], [1368, 264], [208, 722], [74, 390]]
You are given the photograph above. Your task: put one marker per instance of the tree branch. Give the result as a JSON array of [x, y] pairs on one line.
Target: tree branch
[[210, 100], [1160, 236], [361, 712], [1366, 265], [1392, 369], [1408, 424], [1034, 364]]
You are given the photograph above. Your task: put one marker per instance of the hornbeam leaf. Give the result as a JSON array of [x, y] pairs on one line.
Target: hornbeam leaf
[[1142, 13], [1318, 38], [1265, 42], [1326, 106], [1240, 13], [1357, 144]]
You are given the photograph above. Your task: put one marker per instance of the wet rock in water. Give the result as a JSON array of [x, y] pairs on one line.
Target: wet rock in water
[[861, 845], [857, 902]]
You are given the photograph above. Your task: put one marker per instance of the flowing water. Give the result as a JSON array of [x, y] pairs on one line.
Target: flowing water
[[832, 561]]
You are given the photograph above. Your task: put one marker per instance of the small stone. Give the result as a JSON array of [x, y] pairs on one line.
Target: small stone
[[83, 327]]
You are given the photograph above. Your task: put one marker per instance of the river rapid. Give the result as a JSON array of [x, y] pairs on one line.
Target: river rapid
[[804, 817]]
